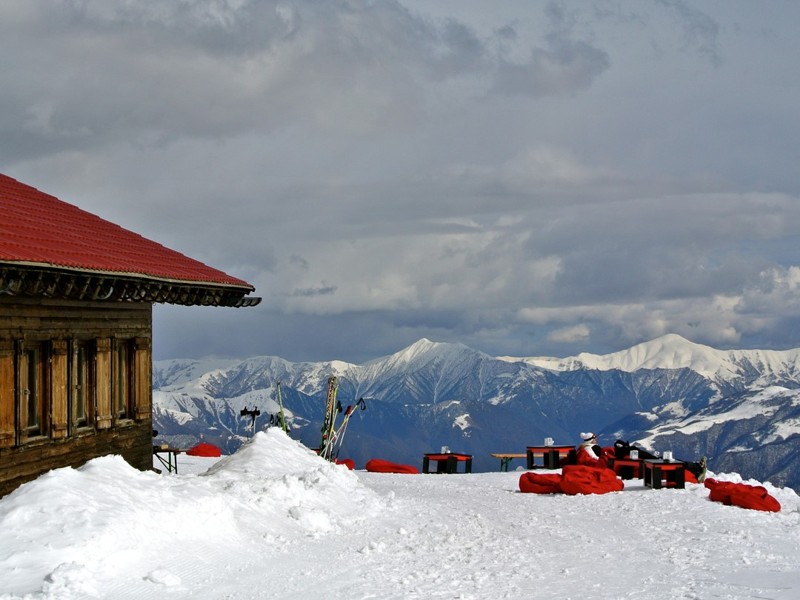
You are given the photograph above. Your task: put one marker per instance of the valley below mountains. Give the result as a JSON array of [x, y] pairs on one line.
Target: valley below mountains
[[740, 408]]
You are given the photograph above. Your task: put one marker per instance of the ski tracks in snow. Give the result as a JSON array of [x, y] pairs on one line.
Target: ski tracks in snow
[[639, 543]]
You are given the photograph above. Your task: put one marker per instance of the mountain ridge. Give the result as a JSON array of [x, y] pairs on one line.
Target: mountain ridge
[[436, 393], [672, 351]]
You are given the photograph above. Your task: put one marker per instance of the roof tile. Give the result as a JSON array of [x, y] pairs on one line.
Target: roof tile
[[40, 229]]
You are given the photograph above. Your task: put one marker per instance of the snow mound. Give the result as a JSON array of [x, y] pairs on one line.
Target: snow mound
[[284, 479], [108, 522]]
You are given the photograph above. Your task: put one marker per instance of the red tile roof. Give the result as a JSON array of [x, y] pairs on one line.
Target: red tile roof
[[37, 229]]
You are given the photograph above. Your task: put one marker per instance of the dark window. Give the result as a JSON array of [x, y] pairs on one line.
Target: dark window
[[123, 379], [83, 376], [33, 380]]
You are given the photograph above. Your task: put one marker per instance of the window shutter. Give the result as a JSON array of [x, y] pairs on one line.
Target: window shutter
[[142, 386], [6, 393], [58, 388], [103, 390]]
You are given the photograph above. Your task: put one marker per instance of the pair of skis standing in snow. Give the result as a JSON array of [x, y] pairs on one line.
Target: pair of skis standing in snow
[[333, 435]]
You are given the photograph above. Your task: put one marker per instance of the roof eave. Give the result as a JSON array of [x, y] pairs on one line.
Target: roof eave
[[25, 280], [232, 283]]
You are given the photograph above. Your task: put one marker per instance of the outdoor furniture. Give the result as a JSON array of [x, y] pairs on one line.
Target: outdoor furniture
[[505, 458], [664, 473], [551, 456], [626, 468], [447, 462], [171, 454]]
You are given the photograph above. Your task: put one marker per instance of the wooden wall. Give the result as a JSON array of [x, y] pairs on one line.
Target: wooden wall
[[62, 319], [60, 443], [25, 463]]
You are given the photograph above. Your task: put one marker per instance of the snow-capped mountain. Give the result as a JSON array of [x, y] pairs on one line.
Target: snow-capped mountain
[[675, 352], [741, 408]]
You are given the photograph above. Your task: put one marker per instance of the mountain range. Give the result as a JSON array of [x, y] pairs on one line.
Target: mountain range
[[740, 408]]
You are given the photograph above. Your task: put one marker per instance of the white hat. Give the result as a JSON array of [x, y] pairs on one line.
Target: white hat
[[587, 436]]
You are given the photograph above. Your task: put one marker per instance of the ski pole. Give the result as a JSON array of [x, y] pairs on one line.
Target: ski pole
[[281, 416], [343, 428]]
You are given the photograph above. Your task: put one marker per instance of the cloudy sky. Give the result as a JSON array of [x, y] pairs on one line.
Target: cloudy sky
[[525, 177]]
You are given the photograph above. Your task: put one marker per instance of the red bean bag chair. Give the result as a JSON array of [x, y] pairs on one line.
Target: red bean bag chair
[[378, 465], [347, 462], [204, 449], [536, 483], [754, 497], [579, 479]]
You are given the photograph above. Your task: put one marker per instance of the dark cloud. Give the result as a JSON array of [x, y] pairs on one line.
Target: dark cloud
[[564, 65], [322, 290], [700, 31], [525, 178]]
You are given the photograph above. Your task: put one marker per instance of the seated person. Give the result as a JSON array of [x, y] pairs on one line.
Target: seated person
[[697, 468], [590, 453]]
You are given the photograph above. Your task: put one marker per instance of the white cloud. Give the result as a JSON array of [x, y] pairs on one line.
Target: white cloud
[[570, 335]]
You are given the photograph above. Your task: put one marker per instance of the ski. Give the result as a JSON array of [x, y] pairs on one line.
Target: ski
[[329, 420], [330, 450]]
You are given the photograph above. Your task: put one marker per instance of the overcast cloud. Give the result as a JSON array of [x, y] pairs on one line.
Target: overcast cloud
[[528, 178]]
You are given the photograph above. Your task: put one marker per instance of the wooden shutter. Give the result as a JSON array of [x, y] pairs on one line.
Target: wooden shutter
[[58, 388], [7, 386], [103, 383], [142, 373]]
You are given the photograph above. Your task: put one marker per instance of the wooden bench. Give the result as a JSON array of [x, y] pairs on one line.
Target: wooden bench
[[171, 462], [505, 458]]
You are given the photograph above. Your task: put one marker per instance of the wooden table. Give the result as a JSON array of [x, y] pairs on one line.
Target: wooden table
[[664, 473], [171, 460], [505, 458], [627, 468], [551, 456], [447, 462]]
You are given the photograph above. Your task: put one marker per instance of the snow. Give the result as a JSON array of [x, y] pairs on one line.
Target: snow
[[276, 521], [462, 422], [672, 351], [760, 404], [420, 353], [180, 417]]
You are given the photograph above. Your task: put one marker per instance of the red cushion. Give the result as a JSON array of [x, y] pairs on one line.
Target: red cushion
[[608, 452], [204, 449], [378, 465], [754, 497], [579, 479], [347, 462], [536, 483]]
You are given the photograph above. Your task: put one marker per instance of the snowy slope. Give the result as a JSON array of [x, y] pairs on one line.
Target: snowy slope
[[276, 521]]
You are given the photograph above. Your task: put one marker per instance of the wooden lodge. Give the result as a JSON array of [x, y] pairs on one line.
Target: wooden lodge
[[76, 299]]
